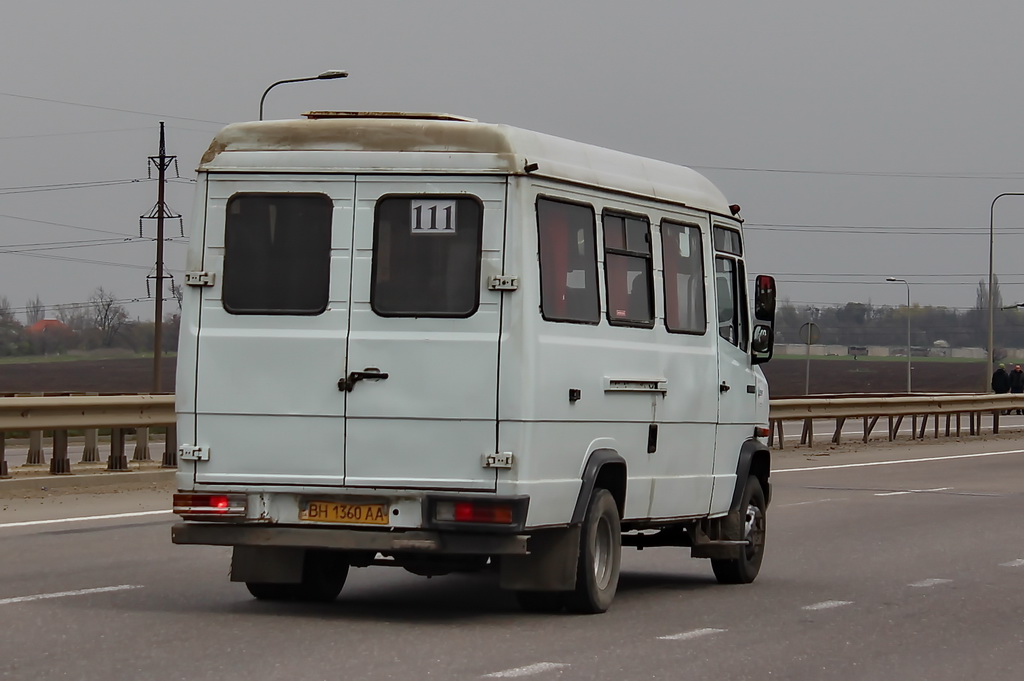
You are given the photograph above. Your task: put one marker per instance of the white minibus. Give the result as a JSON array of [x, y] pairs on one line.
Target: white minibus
[[424, 341]]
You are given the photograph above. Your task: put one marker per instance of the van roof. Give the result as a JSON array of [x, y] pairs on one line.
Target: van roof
[[394, 142]]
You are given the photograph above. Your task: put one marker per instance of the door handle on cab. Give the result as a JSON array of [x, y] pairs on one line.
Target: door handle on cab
[[724, 388], [345, 385]]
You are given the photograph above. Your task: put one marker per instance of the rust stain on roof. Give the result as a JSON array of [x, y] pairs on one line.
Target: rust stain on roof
[[360, 134]]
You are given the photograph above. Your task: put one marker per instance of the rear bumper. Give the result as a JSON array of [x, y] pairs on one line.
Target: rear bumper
[[391, 542]]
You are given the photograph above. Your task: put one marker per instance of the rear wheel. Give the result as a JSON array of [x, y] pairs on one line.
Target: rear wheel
[[323, 576], [541, 601], [597, 572], [744, 569]]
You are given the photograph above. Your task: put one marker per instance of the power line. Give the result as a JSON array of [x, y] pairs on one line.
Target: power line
[[878, 229], [869, 173], [67, 134], [32, 189], [61, 224], [61, 245], [109, 108]]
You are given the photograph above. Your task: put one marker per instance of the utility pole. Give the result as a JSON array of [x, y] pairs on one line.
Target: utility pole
[[159, 212]]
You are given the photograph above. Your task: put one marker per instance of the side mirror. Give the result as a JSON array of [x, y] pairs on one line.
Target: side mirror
[[762, 340], [764, 298]]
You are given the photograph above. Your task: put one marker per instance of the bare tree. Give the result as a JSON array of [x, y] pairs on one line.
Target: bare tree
[[5, 310], [108, 315], [35, 311], [75, 316]]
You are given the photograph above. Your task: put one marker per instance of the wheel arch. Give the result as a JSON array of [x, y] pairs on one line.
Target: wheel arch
[[605, 469], [755, 459]]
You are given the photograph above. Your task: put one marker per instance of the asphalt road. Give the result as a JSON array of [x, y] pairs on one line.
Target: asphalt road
[[875, 569]]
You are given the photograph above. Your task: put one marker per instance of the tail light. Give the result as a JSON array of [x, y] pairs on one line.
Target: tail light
[[209, 506], [761, 431], [475, 512]]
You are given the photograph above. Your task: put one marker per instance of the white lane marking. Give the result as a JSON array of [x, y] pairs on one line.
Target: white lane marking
[[688, 635], [528, 670], [912, 491], [26, 523], [804, 503], [1013, 563], [62, 594], [826, 605], [891, 463], [924, 583]]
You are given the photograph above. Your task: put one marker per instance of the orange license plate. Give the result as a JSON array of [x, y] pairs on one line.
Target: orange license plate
[[349, 514]]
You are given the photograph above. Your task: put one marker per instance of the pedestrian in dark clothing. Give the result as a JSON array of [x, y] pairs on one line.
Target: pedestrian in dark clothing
[[1001, 383], [1017, 383]]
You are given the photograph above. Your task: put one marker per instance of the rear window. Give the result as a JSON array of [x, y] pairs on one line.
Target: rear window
[[426, 256], [277, 254]]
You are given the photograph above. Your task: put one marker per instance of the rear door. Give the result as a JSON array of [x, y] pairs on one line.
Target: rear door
[[272, 330], [423, 315]]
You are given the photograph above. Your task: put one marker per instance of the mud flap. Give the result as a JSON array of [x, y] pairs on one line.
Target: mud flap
[[550, 564], [718, 538], [267, 564]]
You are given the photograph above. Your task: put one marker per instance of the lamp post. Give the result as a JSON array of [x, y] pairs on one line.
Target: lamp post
[[326, 75], [894, 279], [991, 283]]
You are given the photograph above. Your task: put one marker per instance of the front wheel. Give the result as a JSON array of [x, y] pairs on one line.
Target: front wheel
[[597, 571], [744, 569]]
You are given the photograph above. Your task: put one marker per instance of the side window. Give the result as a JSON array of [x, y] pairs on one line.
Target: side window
[[277, 254], [426, 256], [683, 262], [568, 262], [628, 271], [732, 307]]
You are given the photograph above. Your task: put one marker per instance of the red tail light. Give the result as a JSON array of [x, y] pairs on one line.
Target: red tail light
[[474, 512], [210, 506]]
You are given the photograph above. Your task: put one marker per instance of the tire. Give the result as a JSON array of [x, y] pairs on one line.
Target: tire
[[743, 570], [597, 572], [323, 576]]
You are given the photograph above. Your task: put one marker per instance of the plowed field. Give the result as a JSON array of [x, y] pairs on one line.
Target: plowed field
[[786, 377]]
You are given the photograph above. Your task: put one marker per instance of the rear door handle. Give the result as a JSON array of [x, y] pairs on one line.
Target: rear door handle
[[345, 384], [724, 387]]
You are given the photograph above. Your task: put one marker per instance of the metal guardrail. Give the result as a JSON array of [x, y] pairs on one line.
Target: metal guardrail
[[953, 408], [121, 412], [89, 413]]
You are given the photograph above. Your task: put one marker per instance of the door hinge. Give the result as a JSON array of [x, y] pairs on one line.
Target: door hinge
[[499, 460], [199, 278], [503, 282], [193, 453]]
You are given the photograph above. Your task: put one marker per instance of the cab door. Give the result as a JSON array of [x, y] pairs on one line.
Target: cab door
[[422, 365], [272, 330], [737, 389]]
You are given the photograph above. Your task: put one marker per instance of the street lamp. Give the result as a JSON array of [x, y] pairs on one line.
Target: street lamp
[[908, 327], [326, 75], [991, 282]]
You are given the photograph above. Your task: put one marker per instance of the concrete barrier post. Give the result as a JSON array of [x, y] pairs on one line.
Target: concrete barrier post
[[59, 462], [117, 460], [3, 461], [91, 453], [35, 449], [141, 445], [170, 459]]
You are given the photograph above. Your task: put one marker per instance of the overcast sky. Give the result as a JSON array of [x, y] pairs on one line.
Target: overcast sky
[[862, 140]]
